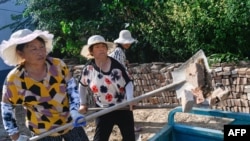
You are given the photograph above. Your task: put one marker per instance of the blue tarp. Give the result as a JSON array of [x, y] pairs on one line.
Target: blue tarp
[[4, 70], [3, 66], [3, 74]]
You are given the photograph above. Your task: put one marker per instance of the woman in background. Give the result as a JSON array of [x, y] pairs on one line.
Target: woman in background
[[123, 43]]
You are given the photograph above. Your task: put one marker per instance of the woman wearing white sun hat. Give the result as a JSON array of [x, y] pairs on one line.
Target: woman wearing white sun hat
[[42, 85], [123, 43]]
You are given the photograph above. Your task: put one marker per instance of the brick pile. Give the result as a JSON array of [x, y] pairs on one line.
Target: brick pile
[[237, 79]]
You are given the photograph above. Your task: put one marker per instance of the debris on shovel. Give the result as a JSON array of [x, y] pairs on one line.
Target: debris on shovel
[[198, 88]]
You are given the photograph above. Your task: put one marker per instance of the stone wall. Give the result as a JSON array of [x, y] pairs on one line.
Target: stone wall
[[151, 76]]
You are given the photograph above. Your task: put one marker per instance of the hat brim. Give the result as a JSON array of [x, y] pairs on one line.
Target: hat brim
[[85, 49], [124, 41], [8, 48]]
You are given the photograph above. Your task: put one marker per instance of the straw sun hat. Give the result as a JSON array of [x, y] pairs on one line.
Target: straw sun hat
[[125, 38], [8, 48], [95, 39]]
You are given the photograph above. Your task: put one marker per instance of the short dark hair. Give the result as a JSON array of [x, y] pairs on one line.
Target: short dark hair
[[91, 47], [21, 46]]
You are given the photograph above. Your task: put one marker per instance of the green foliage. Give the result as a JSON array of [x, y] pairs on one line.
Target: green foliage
[[169, 31], [214, 26], [225, 58]]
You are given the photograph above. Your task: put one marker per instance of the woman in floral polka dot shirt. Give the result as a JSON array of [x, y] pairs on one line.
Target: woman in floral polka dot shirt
[[110, 85]]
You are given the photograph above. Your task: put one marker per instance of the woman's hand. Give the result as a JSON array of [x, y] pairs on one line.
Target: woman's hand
[[18, 137], [132, 105], [83, 109]]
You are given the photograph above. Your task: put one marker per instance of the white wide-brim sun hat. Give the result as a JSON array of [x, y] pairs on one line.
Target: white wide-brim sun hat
[[8, 48], [125, 37], [95, 39]]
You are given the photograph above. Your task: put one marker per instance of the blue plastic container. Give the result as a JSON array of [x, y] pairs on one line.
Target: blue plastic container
[[174, 131]]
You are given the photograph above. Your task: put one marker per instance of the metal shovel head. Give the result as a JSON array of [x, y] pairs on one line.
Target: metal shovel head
[[195, 71]]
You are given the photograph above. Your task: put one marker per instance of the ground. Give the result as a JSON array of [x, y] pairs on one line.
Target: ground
[[151, 121]]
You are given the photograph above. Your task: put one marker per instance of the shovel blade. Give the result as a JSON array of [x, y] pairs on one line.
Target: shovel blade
[[195, 71]]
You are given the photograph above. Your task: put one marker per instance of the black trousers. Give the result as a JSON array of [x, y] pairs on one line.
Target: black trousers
[[124, 119], [76, 134]]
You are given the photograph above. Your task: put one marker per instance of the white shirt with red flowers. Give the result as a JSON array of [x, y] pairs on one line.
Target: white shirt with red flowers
[[108, 87]]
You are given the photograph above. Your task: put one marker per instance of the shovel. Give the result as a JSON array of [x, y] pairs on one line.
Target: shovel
[[181, 79], [198, 84], [137, 107]]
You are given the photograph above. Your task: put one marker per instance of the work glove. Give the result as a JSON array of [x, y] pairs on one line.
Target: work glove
[[78, 119], [23, 138]]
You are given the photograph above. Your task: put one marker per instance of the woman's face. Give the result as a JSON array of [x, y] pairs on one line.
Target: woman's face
[[126, 46], [100, 50], [34, 52]]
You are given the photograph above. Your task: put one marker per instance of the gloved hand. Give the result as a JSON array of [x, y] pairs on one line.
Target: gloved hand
[[78, 119], [23, 138]]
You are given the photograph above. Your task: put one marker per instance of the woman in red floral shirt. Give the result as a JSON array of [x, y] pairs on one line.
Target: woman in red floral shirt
[[110, 85]]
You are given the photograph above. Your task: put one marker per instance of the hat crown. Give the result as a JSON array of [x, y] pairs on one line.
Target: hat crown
[[95, 39], [20, 33], [125, 34], [125, 37]]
